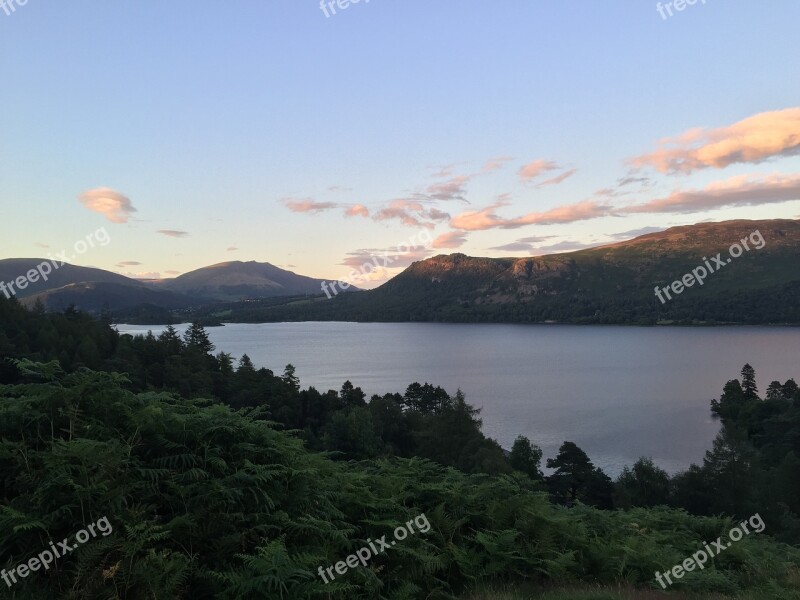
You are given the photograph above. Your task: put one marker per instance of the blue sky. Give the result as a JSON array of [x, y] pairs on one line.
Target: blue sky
[[248, 130]]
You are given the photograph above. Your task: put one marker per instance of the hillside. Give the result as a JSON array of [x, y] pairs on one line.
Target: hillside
[[65, 275], [239, 280], [609, 284]]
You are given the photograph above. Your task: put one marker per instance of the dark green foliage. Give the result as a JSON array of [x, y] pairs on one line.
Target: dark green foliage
[[209, 503], [644, 484], [577, 479], [526, 458]]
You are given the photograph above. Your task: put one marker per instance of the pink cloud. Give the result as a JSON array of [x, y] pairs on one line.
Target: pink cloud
[[558, 178], [534, 169], [357, 210], [308, 205], [452, 189], [487, 218], [745, 190], [114, 206], [759, 138], [410, 212], [494, 164], [451, 239]]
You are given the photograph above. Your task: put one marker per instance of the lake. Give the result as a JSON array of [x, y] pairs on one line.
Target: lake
[[617, 392]]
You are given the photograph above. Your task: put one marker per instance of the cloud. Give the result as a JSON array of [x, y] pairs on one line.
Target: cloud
[[534, 169], [172, 272], [357, 210], [173, 233], [565, 246], [634, 233], [514, 247], [411, 212], [114, 206], [558, 178], [494, 164], [744, 190], [487, 218], [451, 239], [308, 205], [41, 245], [231, 249], [373, 256], [523, 244], [338, 188], [129, 263], [759, 138], [144, 275], [452, 189]]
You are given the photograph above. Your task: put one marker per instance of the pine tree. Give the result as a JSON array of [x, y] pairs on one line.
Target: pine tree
[[749, 386]]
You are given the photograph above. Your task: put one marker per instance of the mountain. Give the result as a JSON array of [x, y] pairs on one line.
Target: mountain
[[94, 296], [94, 290], [65, 274], [237, 280], [607, 284]]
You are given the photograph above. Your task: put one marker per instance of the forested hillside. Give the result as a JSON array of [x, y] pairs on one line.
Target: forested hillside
[[209, 471]]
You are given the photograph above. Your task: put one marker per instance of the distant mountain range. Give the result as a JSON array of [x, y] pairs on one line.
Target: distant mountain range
[[608, 284], [96, 290]]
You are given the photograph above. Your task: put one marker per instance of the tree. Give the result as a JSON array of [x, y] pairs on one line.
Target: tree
[[749, 387], [196, 337], [775, 391], [352, 396], [245, 365], [171, 341], [576, 478], [644, 485], [290, 379], [526, 457]]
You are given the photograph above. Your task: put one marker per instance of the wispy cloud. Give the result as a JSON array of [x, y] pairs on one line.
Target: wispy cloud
[[534, 169], [412, 213], [558, 178], [487, 218], [307, 205], [565, 246], [173, 233], [524, 244], [762, 137], [113, 205], [452, 189], [634, 233], [744, 190], [129, 263], [494, 164], [357, 210], [451, 239], [231, 249]]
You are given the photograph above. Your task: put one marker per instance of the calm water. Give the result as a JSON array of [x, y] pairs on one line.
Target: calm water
[[618, 392]]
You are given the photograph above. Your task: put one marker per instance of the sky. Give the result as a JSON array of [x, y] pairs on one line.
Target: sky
[[202, 132]]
